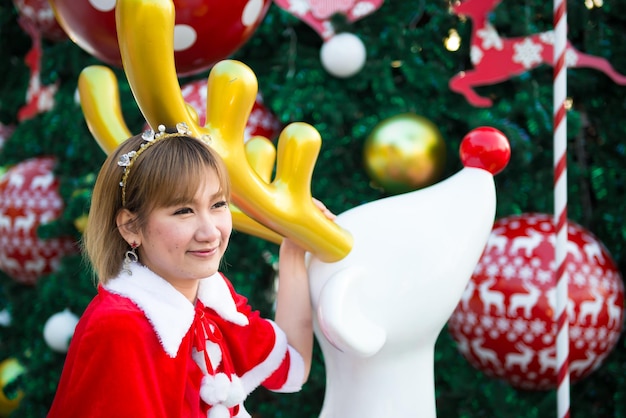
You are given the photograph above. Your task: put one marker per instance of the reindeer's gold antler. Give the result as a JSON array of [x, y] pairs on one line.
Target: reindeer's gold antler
[[100, 101], [146, 33], [261, 155]]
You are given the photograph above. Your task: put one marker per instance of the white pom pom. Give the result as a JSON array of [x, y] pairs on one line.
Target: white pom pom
[[343, 55], [218, 411], [214, 389], [236, 394], [59, 329]]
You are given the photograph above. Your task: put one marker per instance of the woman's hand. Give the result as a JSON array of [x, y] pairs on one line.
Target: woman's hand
[[324, 209]]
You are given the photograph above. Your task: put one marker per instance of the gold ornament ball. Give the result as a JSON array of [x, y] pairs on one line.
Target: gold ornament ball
[[403, 153], [80, 223], [10, 369]]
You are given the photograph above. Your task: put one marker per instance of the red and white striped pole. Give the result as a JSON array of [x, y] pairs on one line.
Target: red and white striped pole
[[560, 206]]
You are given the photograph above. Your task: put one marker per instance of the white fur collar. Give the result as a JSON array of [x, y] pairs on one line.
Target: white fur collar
[[170, 313]]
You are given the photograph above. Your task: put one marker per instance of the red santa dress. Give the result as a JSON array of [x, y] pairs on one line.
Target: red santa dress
[[141, 349]]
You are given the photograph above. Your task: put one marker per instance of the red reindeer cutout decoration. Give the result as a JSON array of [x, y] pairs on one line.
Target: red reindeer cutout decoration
[[39, 98], [497, 59]]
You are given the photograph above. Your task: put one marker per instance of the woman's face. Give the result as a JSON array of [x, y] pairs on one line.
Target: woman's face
[[185, 243]]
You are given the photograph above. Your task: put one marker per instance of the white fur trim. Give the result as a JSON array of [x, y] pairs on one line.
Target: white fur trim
[[296, 373], [255, 376], [170, 313], [215, 294]]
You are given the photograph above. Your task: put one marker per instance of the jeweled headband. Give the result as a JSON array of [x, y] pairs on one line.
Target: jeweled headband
[[150, 137]]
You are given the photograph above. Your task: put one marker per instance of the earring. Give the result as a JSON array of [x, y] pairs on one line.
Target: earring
[[130, 257]]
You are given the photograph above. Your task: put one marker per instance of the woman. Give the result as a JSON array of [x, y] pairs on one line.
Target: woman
[[167, 335]]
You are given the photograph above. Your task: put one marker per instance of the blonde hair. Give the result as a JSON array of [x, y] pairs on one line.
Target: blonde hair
[[167, 173]]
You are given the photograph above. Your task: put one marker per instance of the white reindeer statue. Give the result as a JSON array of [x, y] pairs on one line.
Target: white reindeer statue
[[385, 277], [380, 309]]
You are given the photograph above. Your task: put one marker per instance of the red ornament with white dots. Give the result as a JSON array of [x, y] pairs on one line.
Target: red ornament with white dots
[[205, 31], [505, 322], [29, 197]]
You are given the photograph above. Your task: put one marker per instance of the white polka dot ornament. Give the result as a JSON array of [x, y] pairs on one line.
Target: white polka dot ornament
[[206, 31], [505, 325], [29, 197]]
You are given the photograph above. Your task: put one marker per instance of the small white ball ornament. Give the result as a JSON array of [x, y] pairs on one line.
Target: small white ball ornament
[[59, 329], [343, 55], [5, 318]]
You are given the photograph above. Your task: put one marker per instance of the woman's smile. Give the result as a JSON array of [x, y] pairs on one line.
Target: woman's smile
[[205, 252]]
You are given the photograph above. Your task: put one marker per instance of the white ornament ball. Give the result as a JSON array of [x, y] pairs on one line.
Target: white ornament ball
[[343, 55], [59, 329], [5, 318]]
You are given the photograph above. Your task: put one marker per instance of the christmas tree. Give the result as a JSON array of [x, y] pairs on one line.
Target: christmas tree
[[410, 62]]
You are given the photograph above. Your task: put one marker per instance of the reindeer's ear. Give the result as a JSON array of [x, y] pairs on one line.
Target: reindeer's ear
[[344, 322]]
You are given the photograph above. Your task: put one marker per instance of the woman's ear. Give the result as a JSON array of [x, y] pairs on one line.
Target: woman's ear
[[126, 226]]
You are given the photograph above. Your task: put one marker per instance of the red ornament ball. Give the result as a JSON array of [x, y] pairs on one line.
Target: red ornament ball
[[29, 197], [261, 121], [205, 32], [487, 148], [505, 323]]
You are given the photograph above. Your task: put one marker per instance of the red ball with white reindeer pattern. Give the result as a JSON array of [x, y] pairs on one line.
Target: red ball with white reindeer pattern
[[29, 197], [504, 324]]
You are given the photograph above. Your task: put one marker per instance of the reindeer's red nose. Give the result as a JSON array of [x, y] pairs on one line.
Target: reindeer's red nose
[[485, 148]]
